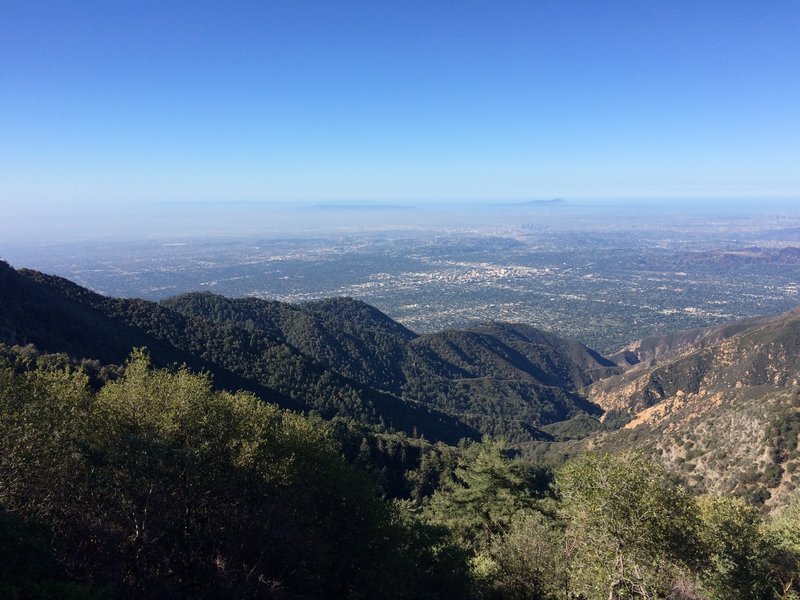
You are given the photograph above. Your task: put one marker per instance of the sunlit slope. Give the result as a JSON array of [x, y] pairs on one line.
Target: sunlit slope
[[722, 410]]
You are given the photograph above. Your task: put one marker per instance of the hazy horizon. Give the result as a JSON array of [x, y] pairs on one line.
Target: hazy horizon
[[92, 222]]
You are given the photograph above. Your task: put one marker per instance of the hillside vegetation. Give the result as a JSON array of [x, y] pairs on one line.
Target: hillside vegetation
[[724, 414]]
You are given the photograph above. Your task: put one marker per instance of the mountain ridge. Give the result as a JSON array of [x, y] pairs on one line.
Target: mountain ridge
[[338, 357], [723, 412]]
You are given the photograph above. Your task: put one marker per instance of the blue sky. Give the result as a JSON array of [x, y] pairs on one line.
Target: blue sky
[[113, 103]]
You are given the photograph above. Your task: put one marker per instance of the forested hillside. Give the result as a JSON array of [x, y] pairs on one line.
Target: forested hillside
[[58, 316], [500, 379], [335, 357]]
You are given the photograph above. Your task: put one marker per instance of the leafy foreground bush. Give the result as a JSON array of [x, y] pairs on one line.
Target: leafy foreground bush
[[618, 528], [158, 485]]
